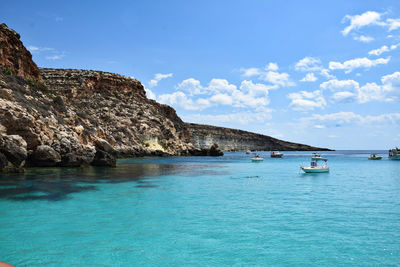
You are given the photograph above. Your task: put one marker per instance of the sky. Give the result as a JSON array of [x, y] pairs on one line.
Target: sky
[[323, 73]]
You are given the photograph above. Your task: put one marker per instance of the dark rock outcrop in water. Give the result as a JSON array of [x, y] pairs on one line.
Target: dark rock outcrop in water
[[66, 117]]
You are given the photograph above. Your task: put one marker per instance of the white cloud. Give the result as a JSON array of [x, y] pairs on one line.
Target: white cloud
[[221, 85], [326, 74], [192, 86], [219, 92], [150, 94], [344, 97], [379, 51], [350, 90], [363, 38], [359, 21], [158, 77], [352, 64], [342, 118], [272, 66], [308, 64], [179, 99], [393, 24], [304, 100], [36, 49], [310, 77], [340, 85], [281, 79], [383, 49], [243, 118], [250, 72], [222, 99]]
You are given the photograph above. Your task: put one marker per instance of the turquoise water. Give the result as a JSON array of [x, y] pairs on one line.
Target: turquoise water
[[204, 211]]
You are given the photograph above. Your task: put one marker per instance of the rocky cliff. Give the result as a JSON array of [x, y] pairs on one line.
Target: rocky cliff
[[232, 139], [66, 117]]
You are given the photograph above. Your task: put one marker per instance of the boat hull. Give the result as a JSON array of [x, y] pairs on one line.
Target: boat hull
[[314, 170], [395, 157], [257, 159], [276, 156], [376, 158]]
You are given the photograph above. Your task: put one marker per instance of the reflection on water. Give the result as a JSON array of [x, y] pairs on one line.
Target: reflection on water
[[56, 184]]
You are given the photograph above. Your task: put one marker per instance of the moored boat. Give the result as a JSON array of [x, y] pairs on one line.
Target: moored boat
[[394, 154], [315, 168], [316, 155], [374, 157], [276, 154], [248, 151], [257, 158]]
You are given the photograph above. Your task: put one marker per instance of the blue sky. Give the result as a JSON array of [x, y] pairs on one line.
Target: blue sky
[[325, 73]]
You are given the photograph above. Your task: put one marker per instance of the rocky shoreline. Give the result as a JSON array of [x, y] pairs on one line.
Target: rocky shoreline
[[69, 118]]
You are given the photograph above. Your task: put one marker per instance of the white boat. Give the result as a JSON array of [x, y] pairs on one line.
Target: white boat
[[315, 168], [316, 155], [394, 154], [276, 154], [248, 151], [257, 158]]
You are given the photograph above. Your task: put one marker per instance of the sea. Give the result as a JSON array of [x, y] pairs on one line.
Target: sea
[[205, 211]]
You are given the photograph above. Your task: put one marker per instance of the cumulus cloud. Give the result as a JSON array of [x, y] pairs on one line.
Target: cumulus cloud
[[352, 64], [180, 99], [326, 74], [379, 51], [281, 79], [382, 49], [192, 86], [150, 94], [219, 92], [350, 90], [250, 72], [158, 77], [359, 21], [340, 85], [344, 97], [304, 100], [310, 77], [393, 24], [309, 64], [272, 66], [363, 38]]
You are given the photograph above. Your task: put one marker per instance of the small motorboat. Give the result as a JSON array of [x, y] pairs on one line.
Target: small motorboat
[[315, 168], [257, 158], [276, 154], [248, 151], [394, 154], [374, 157], [316, 155]]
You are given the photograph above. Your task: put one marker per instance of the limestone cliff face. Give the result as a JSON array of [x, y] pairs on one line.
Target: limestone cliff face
[[232, 139], [13, 55], [115, 108]]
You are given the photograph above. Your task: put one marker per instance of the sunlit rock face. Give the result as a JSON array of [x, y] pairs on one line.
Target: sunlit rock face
[[13, 55]]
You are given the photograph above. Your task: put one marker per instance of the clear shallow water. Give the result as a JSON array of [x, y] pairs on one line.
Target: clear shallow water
[[205, 211]]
